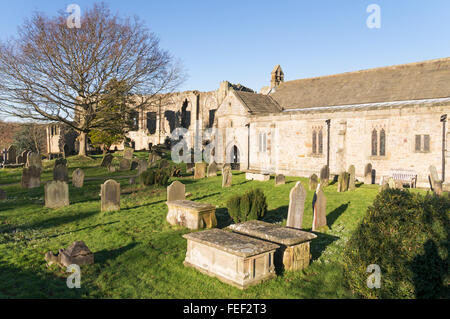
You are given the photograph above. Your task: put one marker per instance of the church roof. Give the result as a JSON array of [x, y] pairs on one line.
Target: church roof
[[258, 103], [414, 81]]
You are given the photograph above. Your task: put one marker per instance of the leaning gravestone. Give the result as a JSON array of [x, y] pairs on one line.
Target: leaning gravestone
[[176, 191], [200, 170], [34, 159], [324, 175], [107, 160], [368, 174], [352, 178], [61, 173], [226, 175], [280, 179], [313, 181], [211, 170], [343, 180], [31, 177], [319, 209], [2, 194], [297, 198], [56, 194], [110, 195], [11, 155], [436, 183], [78, 178], [128, 153], [124, 164]]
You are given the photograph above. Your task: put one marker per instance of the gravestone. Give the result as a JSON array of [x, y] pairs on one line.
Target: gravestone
[[60, 161], [2, 194], [343, 182], [280, 179], [226, 175], [56, 194], [142, 166], [61, 173], [200, 170], [11, 155], [368, 174], [313, 181], [153, 157], [124, 164], [391, 182], [107, 160], [176, 191], [134, 165], [112, 169], [110, 196], [78, 178], [31, 177], [211, 170], [297, 198], [436, 183], [352, 178], [34, 159], [319, 209], [324, 175], [128, 153]]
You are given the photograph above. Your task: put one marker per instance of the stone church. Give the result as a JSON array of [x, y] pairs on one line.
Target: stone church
[[390, 117]]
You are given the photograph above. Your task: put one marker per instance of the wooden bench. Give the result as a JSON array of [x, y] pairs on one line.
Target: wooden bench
[[404, 176]]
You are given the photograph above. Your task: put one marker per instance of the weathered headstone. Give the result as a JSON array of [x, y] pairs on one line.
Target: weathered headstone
[[2, 194], [324, 175], [226, 175], [107, 160], [343, 181], [313, 181], [11, 155], [112, 169], [153, 157], [76, 254], [61, 173], [352, 178], [124, 164], [297, 198], [128, 153], [176, 191], [56, 194], [60, 161], [142, 166], [134, 165], [31, 177], [110, 195], [368, 174], [319, 209], [280, 179], [34, 159], [391, 182], [200, 170], [211, 170], [436, 183], [78, 178]]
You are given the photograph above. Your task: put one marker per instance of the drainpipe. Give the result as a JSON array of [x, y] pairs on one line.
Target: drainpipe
[[248, 145], [443, 120], [328, 144]]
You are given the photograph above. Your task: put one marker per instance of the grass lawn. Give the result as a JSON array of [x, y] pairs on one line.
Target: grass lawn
[[139, 255]]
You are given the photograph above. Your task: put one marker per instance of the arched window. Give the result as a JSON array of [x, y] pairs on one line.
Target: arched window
[[314, 142], [374, 142], [320, 142], [382, 143]]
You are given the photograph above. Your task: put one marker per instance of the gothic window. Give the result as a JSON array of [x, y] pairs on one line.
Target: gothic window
[[134, 116], [382, 143], [374, 143], [212, 114], [314, 142], [320, 151], [151, 122]]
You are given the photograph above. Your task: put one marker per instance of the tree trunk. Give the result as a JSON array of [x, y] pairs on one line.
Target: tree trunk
[[82, 140]]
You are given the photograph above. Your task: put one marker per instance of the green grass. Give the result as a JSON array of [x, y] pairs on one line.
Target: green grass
[[139, 255]]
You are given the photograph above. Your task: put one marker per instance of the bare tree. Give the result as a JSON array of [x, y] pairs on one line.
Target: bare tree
[[51, 72]]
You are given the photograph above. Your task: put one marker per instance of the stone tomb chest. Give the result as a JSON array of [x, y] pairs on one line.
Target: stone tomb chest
[[294, 252], [235, 259], [191, 214], [257, 175]]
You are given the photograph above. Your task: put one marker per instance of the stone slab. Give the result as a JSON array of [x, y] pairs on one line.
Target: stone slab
[[262, 177], [192, 215]]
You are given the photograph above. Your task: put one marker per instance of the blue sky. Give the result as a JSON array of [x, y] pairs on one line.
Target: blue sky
[[241, 41]]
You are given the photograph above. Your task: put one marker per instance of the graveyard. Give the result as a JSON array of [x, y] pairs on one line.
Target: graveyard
[[138, 254]]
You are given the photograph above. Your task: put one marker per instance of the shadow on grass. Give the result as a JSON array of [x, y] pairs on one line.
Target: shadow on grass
[[319, 244], [276, 215], [334, 215], [103, 256], [205, 196]]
